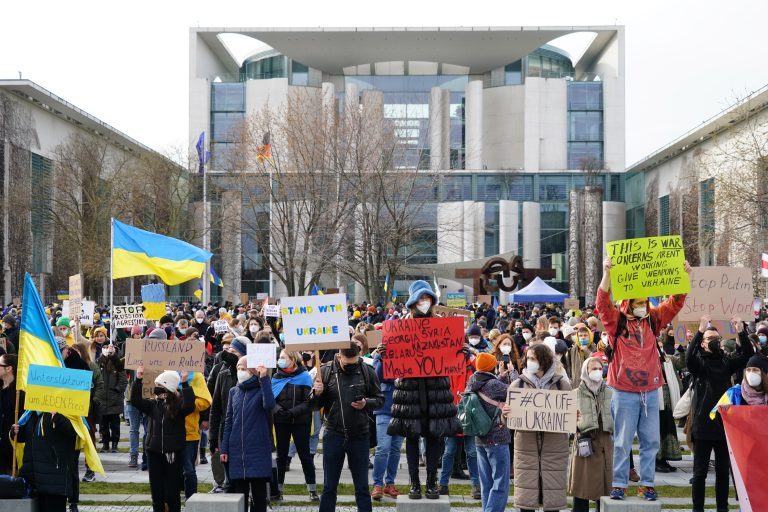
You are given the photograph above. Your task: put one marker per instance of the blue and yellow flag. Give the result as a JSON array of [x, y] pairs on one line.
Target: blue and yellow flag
[[199, 292], [136, 252], [386, 283], [153, 298], [38, 346], [315, 290], [215, 279]]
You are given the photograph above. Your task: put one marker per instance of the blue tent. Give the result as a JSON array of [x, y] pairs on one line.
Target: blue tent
[[538, 291]]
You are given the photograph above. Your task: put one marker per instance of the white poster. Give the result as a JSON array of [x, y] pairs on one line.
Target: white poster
[[86, 314], [220, 326], [316, 321], [262, 354], [272, 310], [128, 316]]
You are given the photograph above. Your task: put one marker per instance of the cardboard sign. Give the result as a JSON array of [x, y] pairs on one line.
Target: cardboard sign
[[374, 338], [272, 310], [484, 299], [423, 347], [128, 316], [59, 390], [243, 298], [65, 308], [724, 327], [220, 326], [262, 354], [262, 296], [648, 267], [86, 314], [720, 292], [75, 295], [148, 384], [569, 304], [165, 355], [446, 311], [455, 300], [541, 410], [315, 322]]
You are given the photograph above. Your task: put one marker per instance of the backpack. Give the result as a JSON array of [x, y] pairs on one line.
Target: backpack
[[472, 415], [621, 330]]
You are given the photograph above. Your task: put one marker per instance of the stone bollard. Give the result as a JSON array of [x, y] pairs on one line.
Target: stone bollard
[[405, 504], [215, 503], [629, 505]]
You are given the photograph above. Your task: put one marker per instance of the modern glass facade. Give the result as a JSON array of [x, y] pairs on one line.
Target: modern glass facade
[[634, 198], [42, 177], [227, 114], [585, 125]]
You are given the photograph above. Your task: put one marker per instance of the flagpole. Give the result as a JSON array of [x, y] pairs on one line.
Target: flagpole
[[207, 272], [111, 280], [15, 434]]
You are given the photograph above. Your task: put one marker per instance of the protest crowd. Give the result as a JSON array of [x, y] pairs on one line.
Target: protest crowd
[[628, 374]]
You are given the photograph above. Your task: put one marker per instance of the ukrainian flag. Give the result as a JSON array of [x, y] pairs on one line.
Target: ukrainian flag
[[38, 346], [732, 396], [153, 298], [199, 292], [136, 252], [215, 279]]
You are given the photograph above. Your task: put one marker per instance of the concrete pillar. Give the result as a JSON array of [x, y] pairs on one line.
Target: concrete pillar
[[329, 102], [575, 242], [473, 126], [450, 228], [439, 129], [592, 223], [614, 222], [232, 245], [509, 224], [531, 234], [445, 112], [474, 233], [351, 97]]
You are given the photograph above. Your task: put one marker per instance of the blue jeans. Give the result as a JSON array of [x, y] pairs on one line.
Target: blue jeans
[[387, 456], [451, 444], [314, 437], [188, 467], [335, 448], [493, 466], [635, 413], [135, 417]]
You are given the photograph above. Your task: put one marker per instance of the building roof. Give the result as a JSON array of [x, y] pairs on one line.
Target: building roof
[[720, 122], [478, 48], [40, 97]]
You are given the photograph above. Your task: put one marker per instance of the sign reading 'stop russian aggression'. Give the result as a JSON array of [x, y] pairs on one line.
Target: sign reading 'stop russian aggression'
[[423, 347], [648, 267]]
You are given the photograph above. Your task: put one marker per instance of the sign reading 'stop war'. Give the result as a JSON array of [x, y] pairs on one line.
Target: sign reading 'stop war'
[[648, 267], [720, 292]]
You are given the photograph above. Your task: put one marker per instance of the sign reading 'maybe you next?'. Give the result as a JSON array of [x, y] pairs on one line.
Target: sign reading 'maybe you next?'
[[315, 322]]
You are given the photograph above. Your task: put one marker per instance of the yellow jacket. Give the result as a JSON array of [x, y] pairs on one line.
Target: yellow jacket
[[202, 402]]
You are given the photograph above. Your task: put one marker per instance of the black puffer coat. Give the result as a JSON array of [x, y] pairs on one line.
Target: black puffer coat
[[165, 434], [49, 454], [423, 407], [293, 401]]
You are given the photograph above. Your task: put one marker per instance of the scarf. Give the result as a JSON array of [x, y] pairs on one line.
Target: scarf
[[593, 386], [545, 380], [751, 395], [300, 379]]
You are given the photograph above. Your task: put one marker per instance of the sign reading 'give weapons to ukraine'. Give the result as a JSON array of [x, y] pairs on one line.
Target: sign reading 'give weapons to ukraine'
[[60, 390], [648, 267], [315, 322]]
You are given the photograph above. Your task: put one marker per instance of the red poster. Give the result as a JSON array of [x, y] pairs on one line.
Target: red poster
[[423, 347], [748, 453]]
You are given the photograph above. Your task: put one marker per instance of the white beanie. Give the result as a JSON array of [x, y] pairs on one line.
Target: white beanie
[[222, 311], [551, 342], [169, 380]]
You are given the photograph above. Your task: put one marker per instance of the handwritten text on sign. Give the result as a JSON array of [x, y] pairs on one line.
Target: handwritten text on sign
[[541, 409], [165, 355], [60, 390], [648, 267], [719, 292], [423, 347], [128, 316], [262, 354], [315, 319]]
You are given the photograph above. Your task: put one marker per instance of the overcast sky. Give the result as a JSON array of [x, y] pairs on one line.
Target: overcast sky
[[127, 62]]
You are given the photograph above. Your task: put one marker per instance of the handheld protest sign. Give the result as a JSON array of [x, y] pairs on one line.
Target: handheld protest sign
[[165, 355], [262, 354], [456, 300], [423, 347], [59, 390], [720, 292], [648, 267], [272, 310], [128, 316], [570, 303], [315, 322], [446, 311], [220, 326], [148, 383], [75, 296], [542, 410]]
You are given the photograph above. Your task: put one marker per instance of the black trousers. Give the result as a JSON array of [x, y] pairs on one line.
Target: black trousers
[[582, 505], [110, 429], [255, 486], [51, 503], [165, 480], [74, 475], [300, 433], [702, 449], [434, 450]]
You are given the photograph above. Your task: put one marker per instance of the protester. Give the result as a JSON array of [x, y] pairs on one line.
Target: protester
[[711, 372], [8, 409], [591, 470], [292, 387], [98, 339], [541, 458], [112, 396], [135, 417], [246, 444], [165, 446], [580, 351], [635, 374], [11, 334], [347, 389], [413, 417], [387, 456], [76, 358], [508, 358], [753, 389]]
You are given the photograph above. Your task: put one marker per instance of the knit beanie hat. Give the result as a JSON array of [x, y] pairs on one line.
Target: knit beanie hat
[[758, 361], [762, 330], [240, 344], [474, 330], [166, 319], [485, 362], [10, 320], [157, 334], [136, 329], [64, 320], [102, 330], [169, 380]]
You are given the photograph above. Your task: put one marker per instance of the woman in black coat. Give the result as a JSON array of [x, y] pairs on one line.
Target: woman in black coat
[[423, 407]]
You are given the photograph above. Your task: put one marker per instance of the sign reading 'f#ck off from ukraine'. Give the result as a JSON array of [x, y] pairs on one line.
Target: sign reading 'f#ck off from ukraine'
[[648, 267], [315, 322]]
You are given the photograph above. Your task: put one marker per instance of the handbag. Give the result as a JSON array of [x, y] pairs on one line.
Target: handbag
[[683, 406], [584, 447]]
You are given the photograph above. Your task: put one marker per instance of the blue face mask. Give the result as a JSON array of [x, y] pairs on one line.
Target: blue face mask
[[282, 337], [763, 339], [282, 363]]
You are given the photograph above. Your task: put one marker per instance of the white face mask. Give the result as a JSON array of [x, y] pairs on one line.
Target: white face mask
[[553, 331], [527, 335], [639, 312], [533, 366], [254, 329], [754, 379], [243, 375], [596, 375], [474, 341], [199, 320], [423, 306], [505, 349]]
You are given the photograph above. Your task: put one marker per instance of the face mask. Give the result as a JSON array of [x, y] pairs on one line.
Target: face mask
[[160, 391], [282, 363], [474, 341], [553, 331], [505, 349], [254, 329], [639, 312], [762, 339], [596, 375], [714, 346], [243, 375], [583, 342], [282, 337], [423, 306], [527, 335], [169, 331], [754, 379], [199, 320], [229, 358], [533, 366]]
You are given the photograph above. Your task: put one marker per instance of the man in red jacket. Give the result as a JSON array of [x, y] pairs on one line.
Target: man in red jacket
[[635, 374]]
